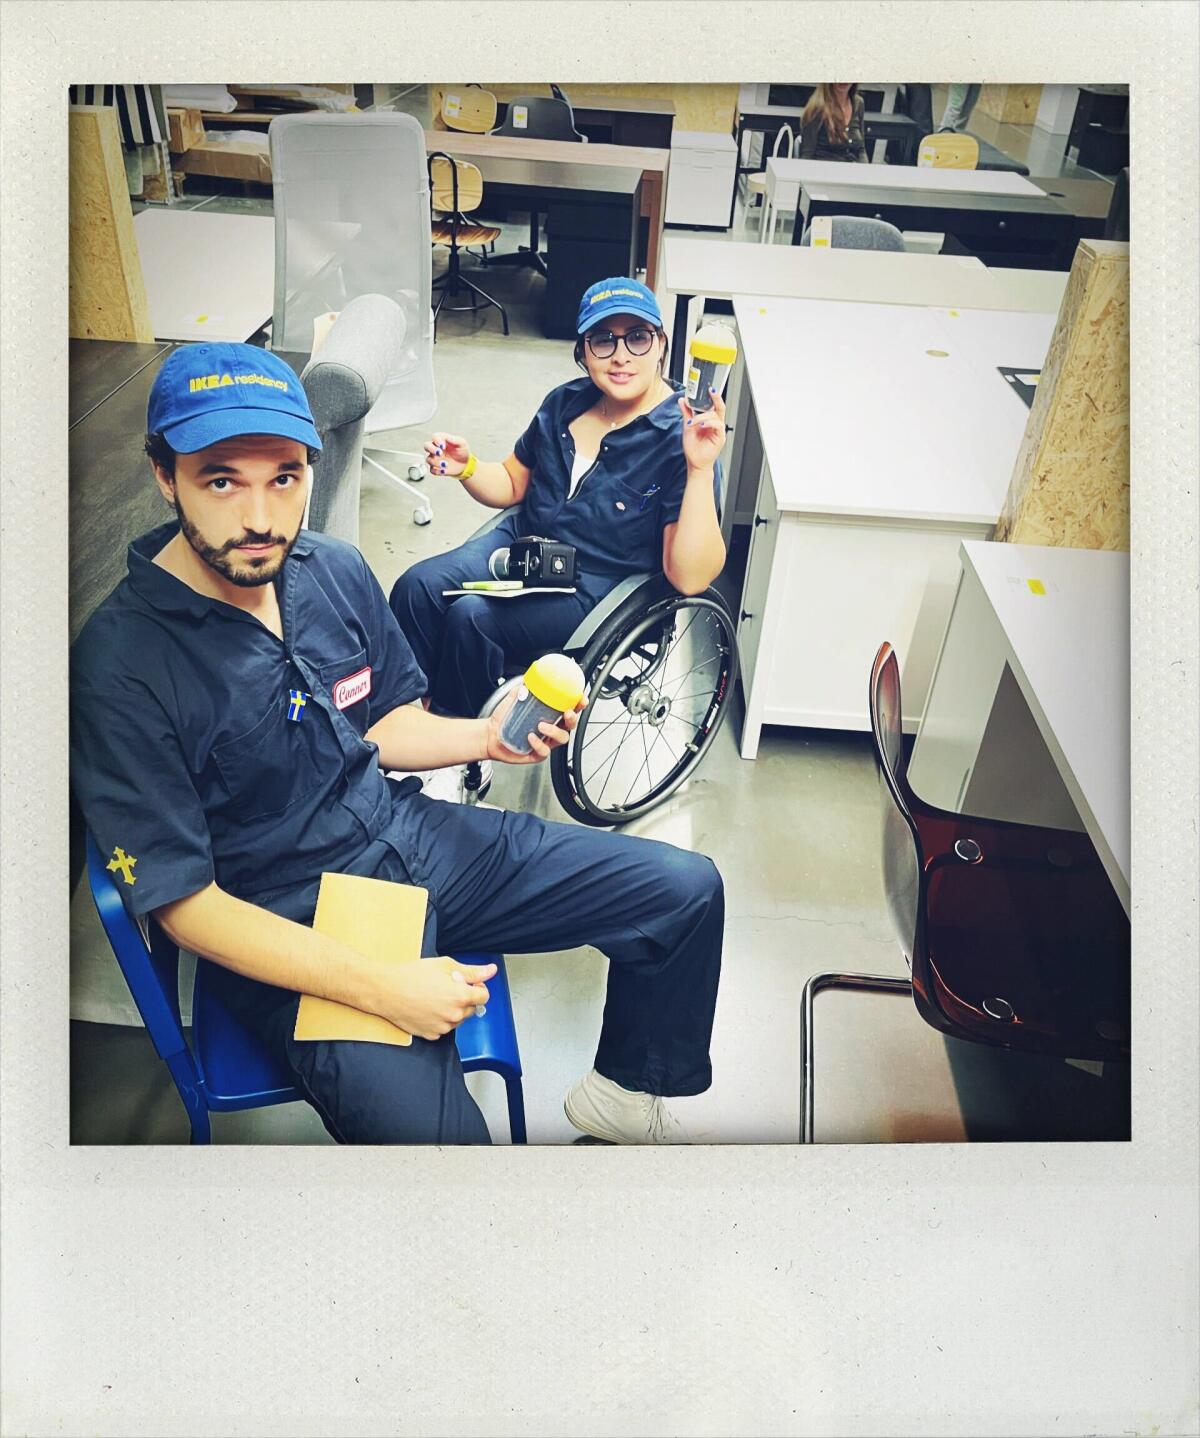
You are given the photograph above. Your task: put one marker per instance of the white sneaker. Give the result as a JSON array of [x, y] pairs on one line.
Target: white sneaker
[[597, 1106]]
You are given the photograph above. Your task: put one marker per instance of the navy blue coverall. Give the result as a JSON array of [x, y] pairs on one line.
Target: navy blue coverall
[[615, 520], [190, 752]]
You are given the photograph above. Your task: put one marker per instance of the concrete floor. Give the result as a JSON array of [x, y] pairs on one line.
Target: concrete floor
[[795, 835]]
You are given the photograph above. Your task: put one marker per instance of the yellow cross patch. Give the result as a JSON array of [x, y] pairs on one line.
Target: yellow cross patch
[[122, 863]]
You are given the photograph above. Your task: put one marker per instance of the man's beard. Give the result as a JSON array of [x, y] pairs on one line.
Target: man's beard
[[262, 571]]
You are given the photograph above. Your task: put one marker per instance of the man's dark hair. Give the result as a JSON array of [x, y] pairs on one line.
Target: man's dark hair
[[161, 453], [662, 364]]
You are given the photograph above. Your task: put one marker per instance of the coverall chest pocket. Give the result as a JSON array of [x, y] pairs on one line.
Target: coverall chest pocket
[[276, 763], [348, 683], [631, 512]]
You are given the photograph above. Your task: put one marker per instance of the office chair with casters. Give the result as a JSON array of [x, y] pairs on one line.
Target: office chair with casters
[[852, 232], [226, 1067], [457, 189], [469, 108], [660, 669], [948, 150], [351, 195], [535, 117], [1013, 933]]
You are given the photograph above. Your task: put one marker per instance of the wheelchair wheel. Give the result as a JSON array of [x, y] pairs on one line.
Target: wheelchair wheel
[[659, 682]]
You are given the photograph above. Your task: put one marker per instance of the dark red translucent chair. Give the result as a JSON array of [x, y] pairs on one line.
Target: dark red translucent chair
[[1013, 934]]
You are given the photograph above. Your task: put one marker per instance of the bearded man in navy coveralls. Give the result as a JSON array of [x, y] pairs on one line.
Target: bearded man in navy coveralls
[[234, 705]]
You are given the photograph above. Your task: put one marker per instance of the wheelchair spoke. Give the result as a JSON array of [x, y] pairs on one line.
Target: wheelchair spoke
[[645, 762], [667, 667], [612, 762]]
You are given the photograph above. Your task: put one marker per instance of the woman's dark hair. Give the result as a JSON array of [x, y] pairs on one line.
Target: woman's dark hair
[[161, 454], [662, 363]]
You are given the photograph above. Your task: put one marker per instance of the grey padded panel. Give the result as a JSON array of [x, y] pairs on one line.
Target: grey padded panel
[[342, 382]]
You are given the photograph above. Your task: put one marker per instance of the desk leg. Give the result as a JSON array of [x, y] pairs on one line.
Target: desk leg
[[652, 190], [679, 334], [737, 169]]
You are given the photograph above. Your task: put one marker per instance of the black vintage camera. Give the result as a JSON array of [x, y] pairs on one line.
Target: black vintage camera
[[536, 562]]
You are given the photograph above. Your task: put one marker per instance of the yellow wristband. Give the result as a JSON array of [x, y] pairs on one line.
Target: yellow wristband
[[470, 466]]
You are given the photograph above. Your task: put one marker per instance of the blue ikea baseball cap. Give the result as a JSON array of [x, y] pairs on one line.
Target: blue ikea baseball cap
[[209, 392], [620, 296]]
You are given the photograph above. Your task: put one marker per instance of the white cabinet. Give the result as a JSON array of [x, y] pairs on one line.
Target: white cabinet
[[821, 595], [700, 179]]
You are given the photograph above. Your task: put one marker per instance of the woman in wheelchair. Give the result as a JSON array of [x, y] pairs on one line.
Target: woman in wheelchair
[[614, 463]]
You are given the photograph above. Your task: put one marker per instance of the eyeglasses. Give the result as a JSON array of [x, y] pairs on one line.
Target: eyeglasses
[[603, 343]]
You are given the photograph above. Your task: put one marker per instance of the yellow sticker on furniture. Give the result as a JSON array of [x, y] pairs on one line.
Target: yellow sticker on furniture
[[939, 354], [200, 319], [1036, 586]]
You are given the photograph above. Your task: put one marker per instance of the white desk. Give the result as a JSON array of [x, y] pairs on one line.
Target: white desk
[[1028, 713], [881, 436], [208, 276], [786, 178], [694, 269]]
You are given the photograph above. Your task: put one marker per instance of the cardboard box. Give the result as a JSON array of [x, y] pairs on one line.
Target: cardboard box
[[187, 129], [235, 160]]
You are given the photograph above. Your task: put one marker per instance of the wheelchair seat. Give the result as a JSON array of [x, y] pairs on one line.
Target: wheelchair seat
[[660, 669]]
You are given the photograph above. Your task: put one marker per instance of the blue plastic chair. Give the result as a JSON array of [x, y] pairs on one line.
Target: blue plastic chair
[[227, 1067]]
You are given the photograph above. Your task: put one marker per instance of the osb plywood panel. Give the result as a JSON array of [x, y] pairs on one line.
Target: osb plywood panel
[[1013, 104], [710, 108], [1070, 485], [107, 298]]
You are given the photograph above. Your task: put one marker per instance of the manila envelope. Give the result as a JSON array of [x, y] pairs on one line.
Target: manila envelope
[[384, 922]]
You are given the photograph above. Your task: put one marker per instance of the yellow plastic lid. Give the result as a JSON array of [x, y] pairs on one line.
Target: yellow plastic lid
[[555, 680], [717, 343]]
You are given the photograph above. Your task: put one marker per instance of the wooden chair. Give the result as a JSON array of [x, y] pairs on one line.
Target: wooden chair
[[468, 108], [456, 188], [948, 150]]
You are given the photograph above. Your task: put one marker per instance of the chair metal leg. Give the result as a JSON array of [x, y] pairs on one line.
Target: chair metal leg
[[818, 983], [516, 1109], [424, 511], [484, 295]]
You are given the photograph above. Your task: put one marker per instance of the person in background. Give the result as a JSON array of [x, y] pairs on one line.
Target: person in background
[[831, 127], [959, 104], [916, 101]]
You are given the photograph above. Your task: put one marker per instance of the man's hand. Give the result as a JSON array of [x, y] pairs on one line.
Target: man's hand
[[431, 997], [703, 433], [549, 736], [446, 453]]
